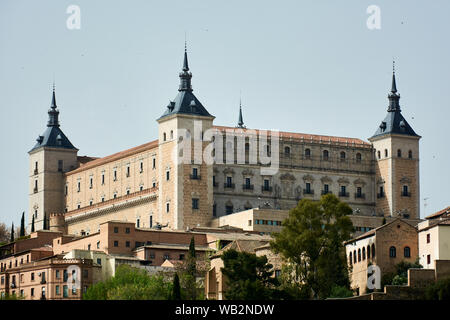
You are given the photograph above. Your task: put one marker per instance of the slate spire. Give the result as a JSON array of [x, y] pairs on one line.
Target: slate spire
[[393, 96], [185, 75], [53, 113], [240, 120]]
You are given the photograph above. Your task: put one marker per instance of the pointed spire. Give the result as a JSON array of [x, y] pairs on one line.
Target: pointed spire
[[53, 112], [393, 96], [185, 75], [240, 120]]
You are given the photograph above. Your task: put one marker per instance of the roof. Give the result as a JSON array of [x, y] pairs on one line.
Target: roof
[[186, 103], [115, 156], [434, 223], [443, 212], [242, 246], [53, 137], [394, 123], [304, 136], [372, 232]]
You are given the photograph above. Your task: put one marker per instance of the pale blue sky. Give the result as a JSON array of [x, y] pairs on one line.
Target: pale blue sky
[[302, 66]]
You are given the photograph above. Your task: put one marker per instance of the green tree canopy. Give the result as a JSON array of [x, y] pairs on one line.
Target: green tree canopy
[[130, 283], [248, 277], [311, 242]]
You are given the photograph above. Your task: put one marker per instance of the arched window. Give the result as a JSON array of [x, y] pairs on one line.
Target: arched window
[[307, 153], [164, 136], [392, 252], [287, 151], [373, 250], [359, 255], [342, 155], [325, 154], [410, 154], [407, 252], [354, 256], [358, 157], [171, 134], [364, 253], [268, 150], [379, 154], [399, 153], [385, 153], [368, 251], [351, 258]]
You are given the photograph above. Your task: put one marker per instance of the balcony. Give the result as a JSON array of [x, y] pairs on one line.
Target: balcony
[[326, 192], [195, 177], [247, 187], [381, 195], [360, 195], [406, 194], [308, 191], [266, 189], [344, 194], [228, 185]]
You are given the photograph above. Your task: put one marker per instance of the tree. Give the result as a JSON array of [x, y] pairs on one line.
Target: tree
[[22, 225], [32, 224], [130, 283], [12, 233], [5, 235], [188, 274], [400, 276], [311, 241], [176, 290], [248, 277], [440, 290]]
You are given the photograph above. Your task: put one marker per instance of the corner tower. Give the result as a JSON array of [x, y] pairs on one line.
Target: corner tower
[[397, 163], [185, 187], [51, 156]]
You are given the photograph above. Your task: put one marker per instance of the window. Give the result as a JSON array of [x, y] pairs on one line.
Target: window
[[127, 244], [407, 252], [127, 230], [247, 183], [379, 154], [354, 256], [151, 221], [194, 203], [428, 259], [57, 275], [32, 275], [116, 229], [181, 257], [350, 258], [141, 187], [116, 243], [307, 153], [405, 192], [392, 252], [74, 290], [399, 153], [410, 154], [385, 153], [287, 151], [36, 167], [99, 261], [325, 154], [32, 292], [359, 255], [164, 136], [373, 250], [65, 292], [343, 192], [167, 175], [342, 156], [358, 192], [194, 173], [308, 188], [326, 189], [57, 290], [358, 157], [65, 276], [78, 186], [91, 182], [98, 244], [60, 166], [91, 202], [266, 185], [154, 163], [214, 210], [43, 292], [381, 193], [167, 207], [428, 238], [103, 178], [141, 167], [364, 253], [89, 247], [128, 171], [229, 209], [115, 175], [368, 252]]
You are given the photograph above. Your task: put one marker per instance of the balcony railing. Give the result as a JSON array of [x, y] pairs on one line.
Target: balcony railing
[[344, 194], [308, 191], [326, 192], [228, 185], [360, 195], [406, 194], [247, 186], [266, 189], [381, 195], [195, 177]]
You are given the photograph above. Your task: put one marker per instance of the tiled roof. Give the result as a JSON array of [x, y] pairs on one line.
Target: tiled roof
[[115, 156], [307, 137], [439, 213]]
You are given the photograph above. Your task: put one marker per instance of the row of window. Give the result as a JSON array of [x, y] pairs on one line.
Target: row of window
[[399, 153], [360, 255], [65, 292]]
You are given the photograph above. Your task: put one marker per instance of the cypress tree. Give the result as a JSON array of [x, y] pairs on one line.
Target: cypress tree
[[12, 232], [22, 225], [32, 224], [176, 290], [192, 248], [45, 222]]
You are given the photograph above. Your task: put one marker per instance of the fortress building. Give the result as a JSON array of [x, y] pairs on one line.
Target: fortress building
[[149, 186]]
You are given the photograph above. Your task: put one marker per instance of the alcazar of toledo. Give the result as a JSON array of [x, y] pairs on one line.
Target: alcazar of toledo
[[149, 186]]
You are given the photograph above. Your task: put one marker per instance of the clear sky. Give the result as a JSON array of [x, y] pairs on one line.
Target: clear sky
[[302, 66]]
